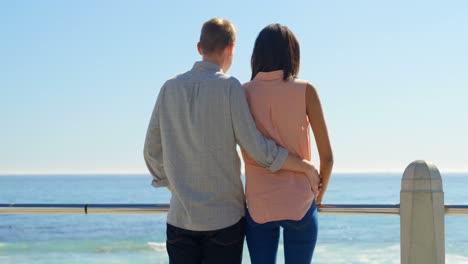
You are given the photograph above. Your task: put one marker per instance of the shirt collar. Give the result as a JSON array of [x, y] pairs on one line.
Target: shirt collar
[[269, 76], [206, 66]]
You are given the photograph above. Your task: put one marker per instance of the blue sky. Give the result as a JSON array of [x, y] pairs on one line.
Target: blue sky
[[79, 79]]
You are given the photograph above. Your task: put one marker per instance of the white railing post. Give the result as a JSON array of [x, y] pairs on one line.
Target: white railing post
[[422, 235]]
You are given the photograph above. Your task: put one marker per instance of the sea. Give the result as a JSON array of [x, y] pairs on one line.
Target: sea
[[141, 238]]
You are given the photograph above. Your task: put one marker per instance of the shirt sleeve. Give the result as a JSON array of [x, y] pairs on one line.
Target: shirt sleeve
[[153, 152], [263, 150]]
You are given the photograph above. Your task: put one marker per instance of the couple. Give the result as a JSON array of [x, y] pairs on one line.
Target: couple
[[202, 115]]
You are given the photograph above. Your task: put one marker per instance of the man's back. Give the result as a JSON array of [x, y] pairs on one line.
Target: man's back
[[200, 157]]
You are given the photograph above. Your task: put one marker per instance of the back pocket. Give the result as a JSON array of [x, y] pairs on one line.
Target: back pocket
[[230, 235]]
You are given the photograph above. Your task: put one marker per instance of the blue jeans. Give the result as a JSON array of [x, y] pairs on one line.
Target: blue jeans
[[299, 239]]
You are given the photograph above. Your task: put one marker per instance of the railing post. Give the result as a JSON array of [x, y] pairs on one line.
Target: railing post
[[422, 212]]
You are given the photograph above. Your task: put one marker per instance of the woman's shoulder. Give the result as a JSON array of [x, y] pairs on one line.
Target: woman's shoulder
[[300, 82], [305, 84], [251, 86], [247, 84]]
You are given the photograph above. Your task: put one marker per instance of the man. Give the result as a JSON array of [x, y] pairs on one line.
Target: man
[[199, 118]]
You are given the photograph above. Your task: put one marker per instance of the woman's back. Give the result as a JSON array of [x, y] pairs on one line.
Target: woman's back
[[279, 111]]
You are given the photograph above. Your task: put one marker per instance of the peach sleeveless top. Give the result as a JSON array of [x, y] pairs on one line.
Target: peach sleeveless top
[[279, 110]]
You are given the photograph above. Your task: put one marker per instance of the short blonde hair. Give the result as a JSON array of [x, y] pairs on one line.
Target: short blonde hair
[[216, 34]]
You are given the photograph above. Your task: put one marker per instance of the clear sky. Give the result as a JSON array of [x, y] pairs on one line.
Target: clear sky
[[79, 79]]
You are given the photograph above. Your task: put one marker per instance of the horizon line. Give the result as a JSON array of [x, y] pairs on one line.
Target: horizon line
[[139, 172]]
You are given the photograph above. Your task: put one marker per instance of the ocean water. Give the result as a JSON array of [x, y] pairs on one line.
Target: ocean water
[[140, 238]]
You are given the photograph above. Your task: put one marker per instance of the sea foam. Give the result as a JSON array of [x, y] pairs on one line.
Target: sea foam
[[156, 246]]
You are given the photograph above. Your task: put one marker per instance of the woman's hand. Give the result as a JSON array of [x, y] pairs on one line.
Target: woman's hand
[[294, 163], [314, 178]]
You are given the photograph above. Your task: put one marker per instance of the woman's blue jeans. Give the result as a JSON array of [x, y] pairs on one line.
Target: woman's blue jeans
[[299, 239]]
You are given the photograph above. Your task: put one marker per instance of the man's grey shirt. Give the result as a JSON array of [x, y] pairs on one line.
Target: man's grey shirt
[[199, 118]]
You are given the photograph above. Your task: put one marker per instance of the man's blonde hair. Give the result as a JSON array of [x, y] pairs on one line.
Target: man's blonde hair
[[216, 35]]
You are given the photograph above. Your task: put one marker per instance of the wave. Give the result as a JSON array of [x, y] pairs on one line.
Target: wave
[[156, 246], [456, 259], [338, 253], [389, 254], [324, 253]]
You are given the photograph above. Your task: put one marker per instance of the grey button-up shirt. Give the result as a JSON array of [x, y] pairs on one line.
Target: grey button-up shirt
[[198, 119]]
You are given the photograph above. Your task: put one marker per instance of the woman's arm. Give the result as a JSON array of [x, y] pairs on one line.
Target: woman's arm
[[317, 122]]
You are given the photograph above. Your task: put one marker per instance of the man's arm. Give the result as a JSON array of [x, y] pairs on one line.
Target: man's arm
[[153, 152], [264, 151]]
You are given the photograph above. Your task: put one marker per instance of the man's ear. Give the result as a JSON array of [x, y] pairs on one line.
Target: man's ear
[[230, 50], [200, 51]]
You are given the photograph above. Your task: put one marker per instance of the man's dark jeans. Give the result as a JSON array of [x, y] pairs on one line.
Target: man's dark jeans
[[207, 247]]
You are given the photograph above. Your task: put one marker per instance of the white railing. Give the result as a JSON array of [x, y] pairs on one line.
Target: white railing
[[328, 209], [421, 210]]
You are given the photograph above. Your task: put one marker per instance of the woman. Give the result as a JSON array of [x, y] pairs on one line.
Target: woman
[[284, 108]]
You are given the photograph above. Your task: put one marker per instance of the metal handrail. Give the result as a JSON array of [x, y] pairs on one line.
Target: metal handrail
[[329, 209]]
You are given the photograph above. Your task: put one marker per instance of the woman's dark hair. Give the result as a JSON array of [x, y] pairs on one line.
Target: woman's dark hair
[[276, 48]]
